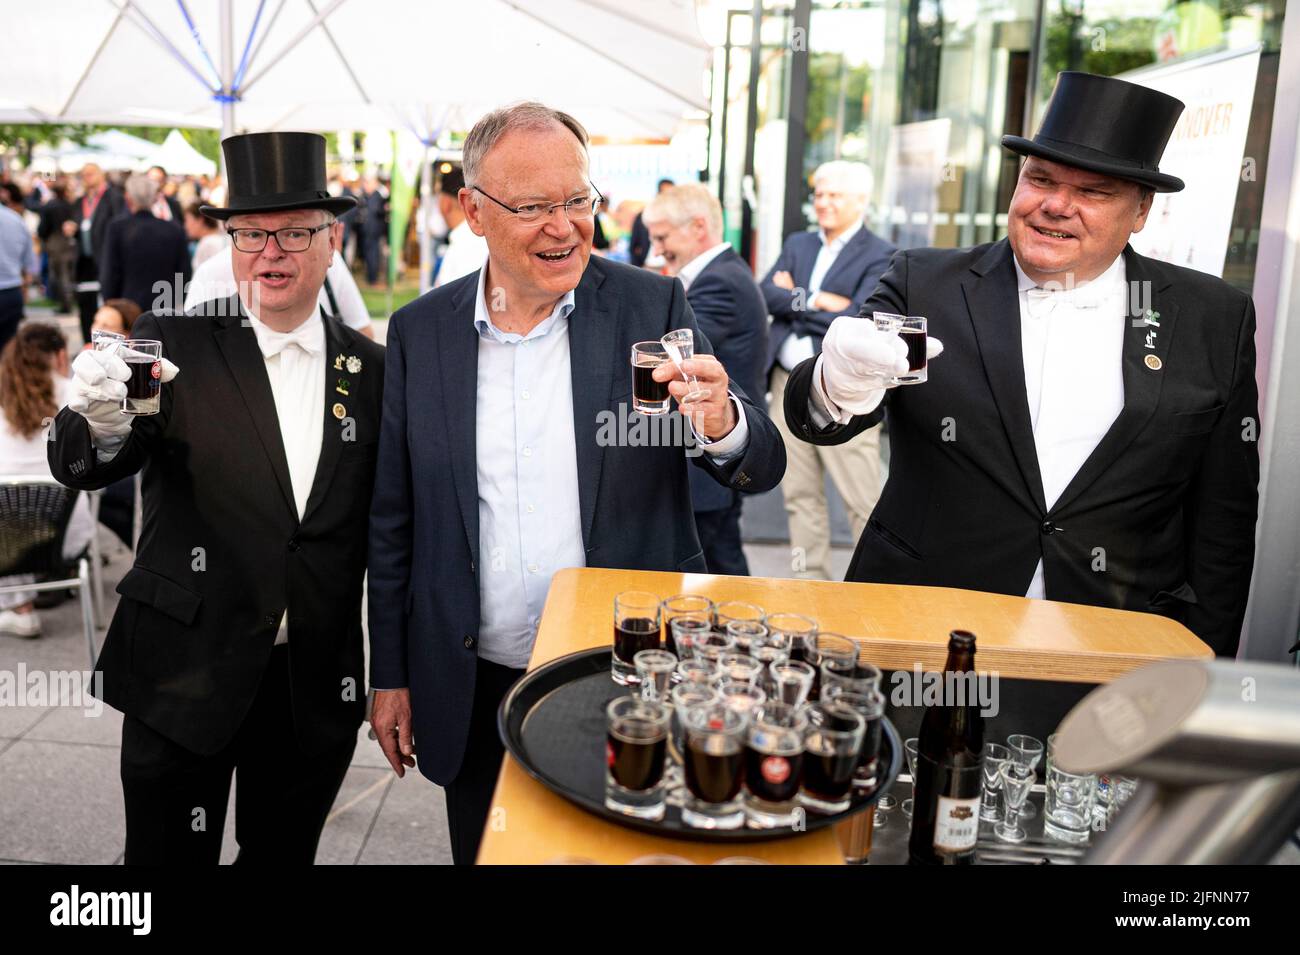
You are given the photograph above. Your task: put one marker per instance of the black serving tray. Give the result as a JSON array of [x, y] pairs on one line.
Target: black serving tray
[[553, 722]]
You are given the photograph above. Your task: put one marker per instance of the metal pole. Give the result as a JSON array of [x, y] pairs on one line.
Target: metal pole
[[227, 75], [426, 207], [792, 219], [751, 122]]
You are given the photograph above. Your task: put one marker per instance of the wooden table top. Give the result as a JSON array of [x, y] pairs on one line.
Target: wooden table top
[[897, 626]]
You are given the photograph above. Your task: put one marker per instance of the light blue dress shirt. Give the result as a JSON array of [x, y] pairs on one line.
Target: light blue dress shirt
[[16, 253]]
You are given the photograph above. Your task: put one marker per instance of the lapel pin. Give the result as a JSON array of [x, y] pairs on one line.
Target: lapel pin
[[342, 386], [338, 362], [339, 410], [1151, 339], [353, 364], [1153, 318], [1153, 362]]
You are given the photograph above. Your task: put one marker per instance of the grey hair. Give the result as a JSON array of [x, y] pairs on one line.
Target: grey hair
[[851, 177], [680, 204], [141, 190], [489, 130]]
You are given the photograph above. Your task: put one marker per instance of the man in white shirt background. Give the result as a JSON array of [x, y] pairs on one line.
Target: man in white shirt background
[[465, 251], [818, 277], [1088, 435], [237, 644]]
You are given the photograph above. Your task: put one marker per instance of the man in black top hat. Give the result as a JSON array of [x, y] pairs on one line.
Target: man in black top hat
[[1089, 435], [237, 643]]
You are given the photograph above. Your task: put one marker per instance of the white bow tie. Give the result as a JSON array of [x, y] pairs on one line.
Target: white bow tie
[[305, 336], [1042, 301]]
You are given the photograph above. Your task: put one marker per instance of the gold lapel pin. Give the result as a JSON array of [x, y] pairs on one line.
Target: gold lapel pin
[[339, 410], [1154, 362]]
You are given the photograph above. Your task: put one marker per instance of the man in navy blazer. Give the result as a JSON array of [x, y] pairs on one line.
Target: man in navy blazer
[[818, 277], [499, 460], [685, 225]]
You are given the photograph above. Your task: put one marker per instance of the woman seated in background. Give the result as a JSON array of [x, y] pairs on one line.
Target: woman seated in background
[[34, 385]]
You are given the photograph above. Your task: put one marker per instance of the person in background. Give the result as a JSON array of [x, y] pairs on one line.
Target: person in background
[[638, 248], [17, 261], [142, 253], [100, 204], [817, 277], [374, 227], [466, 251], [205, 232], [166, 207], [117, 315], [33, 386], [685, 226], [59, 247]]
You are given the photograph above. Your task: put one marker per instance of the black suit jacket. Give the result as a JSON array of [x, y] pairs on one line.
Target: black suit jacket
[[1161, 516], [111, 206], [141, 250], [222, 551], [854, 275], [424, 526], [730, 311]]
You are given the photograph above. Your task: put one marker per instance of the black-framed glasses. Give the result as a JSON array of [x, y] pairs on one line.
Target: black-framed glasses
[[576, 210], [292, 239]]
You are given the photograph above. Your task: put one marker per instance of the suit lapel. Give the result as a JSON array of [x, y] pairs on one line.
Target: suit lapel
[[592, 361], [993, 301], [238, 346], [331, 434], [458, 380], [848, 257], [1142, 383]]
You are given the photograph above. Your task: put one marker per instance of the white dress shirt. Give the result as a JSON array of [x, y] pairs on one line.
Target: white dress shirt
[[529, 511], [798, 348], [465, 253], [1073, 346], [295, 366], [689, 272]]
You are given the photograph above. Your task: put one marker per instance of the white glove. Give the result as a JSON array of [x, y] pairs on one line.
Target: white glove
[[98, 387], [858, 361]]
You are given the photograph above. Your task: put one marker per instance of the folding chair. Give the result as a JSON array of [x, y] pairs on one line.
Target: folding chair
[[34, 515]]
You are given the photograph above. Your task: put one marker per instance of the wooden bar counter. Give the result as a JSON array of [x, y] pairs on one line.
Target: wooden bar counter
[[896, 626]]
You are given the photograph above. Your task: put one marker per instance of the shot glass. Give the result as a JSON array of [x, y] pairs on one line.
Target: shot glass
[[871, 707], [911, 746], [683, 605], [684, 630], [995, 756], [1027, 751], [819, 648], [791, 681], [683, 697], [1069, 805], [649, 397], [636, 741], [744, 633], [654, 670], [798, 630], [1017, 780], [680, 346], [832, 741], [912, 330], [712, 645], [740, 668], [773, 765], [636, 628], [729, 610], [848, 676], [143, 359], [703, 672], [742, 697], [714, 764]]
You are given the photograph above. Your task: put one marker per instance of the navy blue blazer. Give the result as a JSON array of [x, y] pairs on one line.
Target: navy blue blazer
[[424, 535], [731, 313], [139, 251], [854, 275]]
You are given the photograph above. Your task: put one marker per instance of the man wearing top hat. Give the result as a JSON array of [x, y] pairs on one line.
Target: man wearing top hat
[[237, 644], [1089, 434]]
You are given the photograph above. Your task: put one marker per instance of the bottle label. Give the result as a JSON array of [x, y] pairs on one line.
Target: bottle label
[[956, 824]]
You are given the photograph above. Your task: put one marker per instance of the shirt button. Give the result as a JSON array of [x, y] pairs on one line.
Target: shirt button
[[528, 452], [532, 568], [469, 642], [531, 508], [526, 395], [1049, 527], [293, 544]]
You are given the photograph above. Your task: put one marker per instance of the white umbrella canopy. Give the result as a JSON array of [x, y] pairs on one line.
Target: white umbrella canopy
[[623, 67], [178, 157]]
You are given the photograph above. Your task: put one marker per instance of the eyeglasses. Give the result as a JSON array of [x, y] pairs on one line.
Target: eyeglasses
[[293, 239], [576, 210]]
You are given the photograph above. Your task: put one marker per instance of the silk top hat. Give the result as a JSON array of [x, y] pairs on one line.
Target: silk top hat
[[1105, 125], [273, 172]]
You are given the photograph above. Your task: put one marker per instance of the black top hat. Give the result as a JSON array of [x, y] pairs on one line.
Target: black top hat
[[273, 172], [1108, 126]]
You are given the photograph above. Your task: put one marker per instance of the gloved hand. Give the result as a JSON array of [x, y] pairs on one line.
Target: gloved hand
[[98, 385], [858, 361]]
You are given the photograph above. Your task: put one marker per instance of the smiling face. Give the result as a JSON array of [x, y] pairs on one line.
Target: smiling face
[[678, 244], [1067, 225], [836, 205], [284, 285], [534, 262]]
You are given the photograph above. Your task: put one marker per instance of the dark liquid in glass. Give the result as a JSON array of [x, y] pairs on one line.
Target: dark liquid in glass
[[770, 777], [915, 341], [142, 384], [636, 764], [644, 385], [715, 775], [634, 635], [869, 757]]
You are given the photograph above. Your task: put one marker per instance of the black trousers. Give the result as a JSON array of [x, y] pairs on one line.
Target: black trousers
[[469, 795], [720, 537], [11, 313], [176, 799]]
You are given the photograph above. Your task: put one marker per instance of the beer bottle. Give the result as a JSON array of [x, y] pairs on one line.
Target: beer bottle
[[946, 805]]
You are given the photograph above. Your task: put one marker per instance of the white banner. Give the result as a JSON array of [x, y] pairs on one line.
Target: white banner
[[1192, 227]]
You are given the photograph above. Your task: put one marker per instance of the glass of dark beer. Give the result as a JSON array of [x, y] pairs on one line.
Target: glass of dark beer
[[912, 329], [832, 741], [773, 765], [729, 610], [636, 741], [871, 707], [683, 605], [636, 628], [714, 764], [143, 359], [649, 397]]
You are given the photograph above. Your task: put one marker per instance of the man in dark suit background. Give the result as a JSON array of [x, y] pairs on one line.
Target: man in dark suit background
[[141, 251], [237, 644], [685, 225], [1089, 435], [100, 204], [501, 459], [638, 242], [819, 276]]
